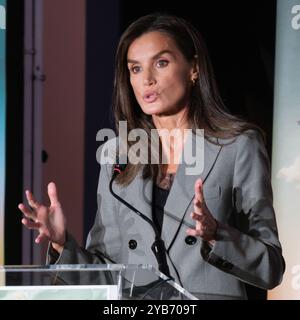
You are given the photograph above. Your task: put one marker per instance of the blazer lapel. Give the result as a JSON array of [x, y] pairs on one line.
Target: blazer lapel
[[182, 190]]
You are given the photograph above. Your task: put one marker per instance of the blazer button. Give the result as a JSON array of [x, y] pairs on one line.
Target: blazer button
[[132, 244], [190, 240]]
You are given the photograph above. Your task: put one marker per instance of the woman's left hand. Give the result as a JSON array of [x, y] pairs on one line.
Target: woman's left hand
[[206, 224]]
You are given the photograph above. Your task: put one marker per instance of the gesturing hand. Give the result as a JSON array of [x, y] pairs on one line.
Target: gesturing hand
[[49, 221], [206, 224]]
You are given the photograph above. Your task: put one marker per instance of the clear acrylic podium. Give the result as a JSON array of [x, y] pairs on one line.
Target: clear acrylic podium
[[88, 282]]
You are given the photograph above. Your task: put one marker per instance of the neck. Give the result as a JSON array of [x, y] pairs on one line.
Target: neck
[[171, 148], [173, 121]]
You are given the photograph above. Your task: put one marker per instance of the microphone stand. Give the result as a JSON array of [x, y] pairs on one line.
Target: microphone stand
[[158, 246]]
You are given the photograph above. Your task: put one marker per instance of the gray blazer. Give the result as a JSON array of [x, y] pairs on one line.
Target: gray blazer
[[237, 191]]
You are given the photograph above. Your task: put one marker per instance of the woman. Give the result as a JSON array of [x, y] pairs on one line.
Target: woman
[[164, 80]]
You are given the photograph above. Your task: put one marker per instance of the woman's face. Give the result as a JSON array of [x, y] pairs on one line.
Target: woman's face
[[159, 74]]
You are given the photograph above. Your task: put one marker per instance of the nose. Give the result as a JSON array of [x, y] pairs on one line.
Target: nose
[[149, 78]]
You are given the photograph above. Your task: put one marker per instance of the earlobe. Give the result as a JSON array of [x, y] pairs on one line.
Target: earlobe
[[194, 77], [195, 70], [194, 80]]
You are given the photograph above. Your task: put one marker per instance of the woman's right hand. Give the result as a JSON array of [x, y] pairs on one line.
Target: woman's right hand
[[49, 221]]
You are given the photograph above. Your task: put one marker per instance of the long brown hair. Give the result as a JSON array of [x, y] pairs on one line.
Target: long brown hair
[[206, 108]]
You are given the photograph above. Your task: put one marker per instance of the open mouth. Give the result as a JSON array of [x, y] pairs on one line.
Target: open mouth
[[150, 97]]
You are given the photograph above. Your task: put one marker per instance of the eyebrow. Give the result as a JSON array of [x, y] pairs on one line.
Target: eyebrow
[[154, 57]]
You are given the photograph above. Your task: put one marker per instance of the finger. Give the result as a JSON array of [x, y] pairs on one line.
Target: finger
[[193, 232], [27, 213], [197, 217], [201, 225], [199, 191], [52, 192], [31, 200], [40, 238], [31, 225], [198, 204]]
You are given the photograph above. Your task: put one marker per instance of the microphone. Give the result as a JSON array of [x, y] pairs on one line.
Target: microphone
[[158, 247], [118, 168]]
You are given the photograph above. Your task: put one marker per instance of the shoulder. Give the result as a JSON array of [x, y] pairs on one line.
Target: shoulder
[[250, 150], [251, 139], [244, 148], [248, 139]]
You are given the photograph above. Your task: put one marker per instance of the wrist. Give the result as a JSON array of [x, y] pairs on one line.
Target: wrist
[[59, 246], [213, 240]]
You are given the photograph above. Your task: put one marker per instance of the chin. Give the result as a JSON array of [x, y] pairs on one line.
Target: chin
[[152, 110]]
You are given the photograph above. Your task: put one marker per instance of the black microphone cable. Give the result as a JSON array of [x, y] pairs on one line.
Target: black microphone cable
[[158, 247]]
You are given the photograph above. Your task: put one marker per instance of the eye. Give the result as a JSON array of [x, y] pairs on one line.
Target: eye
[[135, 69], [162, 63]]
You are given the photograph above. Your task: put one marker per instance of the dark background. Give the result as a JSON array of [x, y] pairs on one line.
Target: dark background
[[14, 132]]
